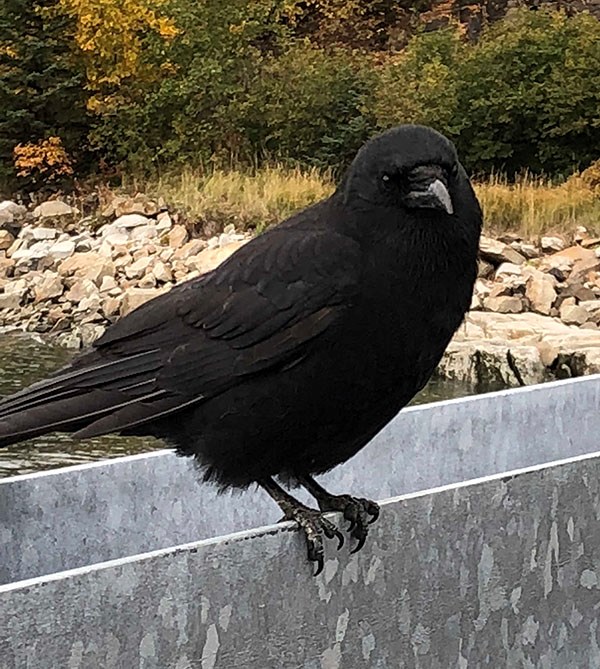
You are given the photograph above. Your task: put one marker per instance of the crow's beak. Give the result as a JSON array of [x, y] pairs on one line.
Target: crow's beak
[[428, 191]]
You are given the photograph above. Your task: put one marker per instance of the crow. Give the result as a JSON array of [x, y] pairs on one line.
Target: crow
[[288, 358]]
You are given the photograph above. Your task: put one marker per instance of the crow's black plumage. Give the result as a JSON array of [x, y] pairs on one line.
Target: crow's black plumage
[[290, 356]]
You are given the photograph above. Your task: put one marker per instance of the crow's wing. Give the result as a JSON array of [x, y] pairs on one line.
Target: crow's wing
[[259, 311]]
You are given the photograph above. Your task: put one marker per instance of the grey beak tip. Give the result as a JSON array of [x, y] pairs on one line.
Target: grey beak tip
[[440, 191]]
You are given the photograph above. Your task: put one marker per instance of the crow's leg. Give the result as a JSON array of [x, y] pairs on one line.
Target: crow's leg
[[310, 520], [358, 511]]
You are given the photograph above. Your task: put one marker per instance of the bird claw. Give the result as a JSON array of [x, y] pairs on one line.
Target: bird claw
[[359, 513], [315, 526]]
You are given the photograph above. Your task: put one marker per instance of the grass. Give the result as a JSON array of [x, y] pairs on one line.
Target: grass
[[530, 206], [248, 200]]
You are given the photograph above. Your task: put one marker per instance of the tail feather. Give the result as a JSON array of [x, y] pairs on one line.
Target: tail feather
[[77, 396]]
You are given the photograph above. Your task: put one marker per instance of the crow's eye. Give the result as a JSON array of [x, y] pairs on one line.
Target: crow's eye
[[386, 178]]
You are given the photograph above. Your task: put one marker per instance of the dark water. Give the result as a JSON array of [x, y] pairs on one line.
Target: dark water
[[24, 360]]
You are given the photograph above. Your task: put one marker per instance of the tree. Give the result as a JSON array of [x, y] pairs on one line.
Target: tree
[[41, 81]]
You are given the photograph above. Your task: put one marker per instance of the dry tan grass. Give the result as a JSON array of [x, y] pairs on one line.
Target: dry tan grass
[[530, 206], [248, 200], [533, 206]]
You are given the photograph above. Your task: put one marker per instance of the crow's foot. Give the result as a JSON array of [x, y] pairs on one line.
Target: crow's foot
[[315, 526], [359, 512], [312, 522]]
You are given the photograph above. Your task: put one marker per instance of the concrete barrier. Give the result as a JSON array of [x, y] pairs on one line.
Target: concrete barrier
[[133, 563]]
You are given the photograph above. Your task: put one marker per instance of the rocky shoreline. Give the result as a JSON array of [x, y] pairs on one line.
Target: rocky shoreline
[[535, 313]]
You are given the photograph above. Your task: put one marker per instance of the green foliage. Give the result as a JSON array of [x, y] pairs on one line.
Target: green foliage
[[529, 94], [525, 97], [242, 82], [41, 83], [420, 85], [206, 68], [308, 105]]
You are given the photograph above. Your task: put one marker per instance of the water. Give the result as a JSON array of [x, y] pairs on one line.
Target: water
[[24, 359]]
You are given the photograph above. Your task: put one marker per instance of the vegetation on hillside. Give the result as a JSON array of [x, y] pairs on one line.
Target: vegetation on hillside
[[132, 86]]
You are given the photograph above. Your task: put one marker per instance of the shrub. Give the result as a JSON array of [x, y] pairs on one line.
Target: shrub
[[309, 105], [529, 94]]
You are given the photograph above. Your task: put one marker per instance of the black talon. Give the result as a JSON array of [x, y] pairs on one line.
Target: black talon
[[332, 532], [359, 512], [311, 521], [361, 543], [373, 510]]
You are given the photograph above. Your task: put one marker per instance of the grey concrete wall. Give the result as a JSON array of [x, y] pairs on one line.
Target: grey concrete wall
[[499, 573], [82, 515]]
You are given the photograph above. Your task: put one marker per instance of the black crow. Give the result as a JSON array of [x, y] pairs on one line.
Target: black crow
[[290, 356]]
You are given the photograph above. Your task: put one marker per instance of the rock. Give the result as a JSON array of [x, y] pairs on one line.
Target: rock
[[135, 297], [190, 249], [178, 236], [90, 332], [10, 210], [484, 269], [62, 250], [507, 269], [138, 268], [548, 353], [147, 281], [108, 283], [70, 340], [164, 222], [591, 243], [576, 290], [581, 233], [43, 233], [128, 221], [504, 304], [162, 272], [492, 364], [208, 259], [582, 268], [50, 287], [110, 306], [501, 288], [6, 267], [138, 204], [54, 209], [90, 265], [116, 238], [6, 240], [540, 292], [572, 254], [497, 252], [593, 309], [122, 261], [10, 301], [529, 251], [144, 233], [476, 303], [573, 314], [90, 303], [81, 289], [552, 244]]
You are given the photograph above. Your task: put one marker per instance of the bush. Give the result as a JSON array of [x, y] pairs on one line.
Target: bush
[[41, 82], [529, 94], [525, 97], [420, 85], [308, 105]]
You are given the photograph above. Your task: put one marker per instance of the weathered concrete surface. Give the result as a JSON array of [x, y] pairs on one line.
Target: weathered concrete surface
[[499, 573], [82, 515]]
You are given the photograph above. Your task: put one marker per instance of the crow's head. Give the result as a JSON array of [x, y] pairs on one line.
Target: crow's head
[[410, 167]]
